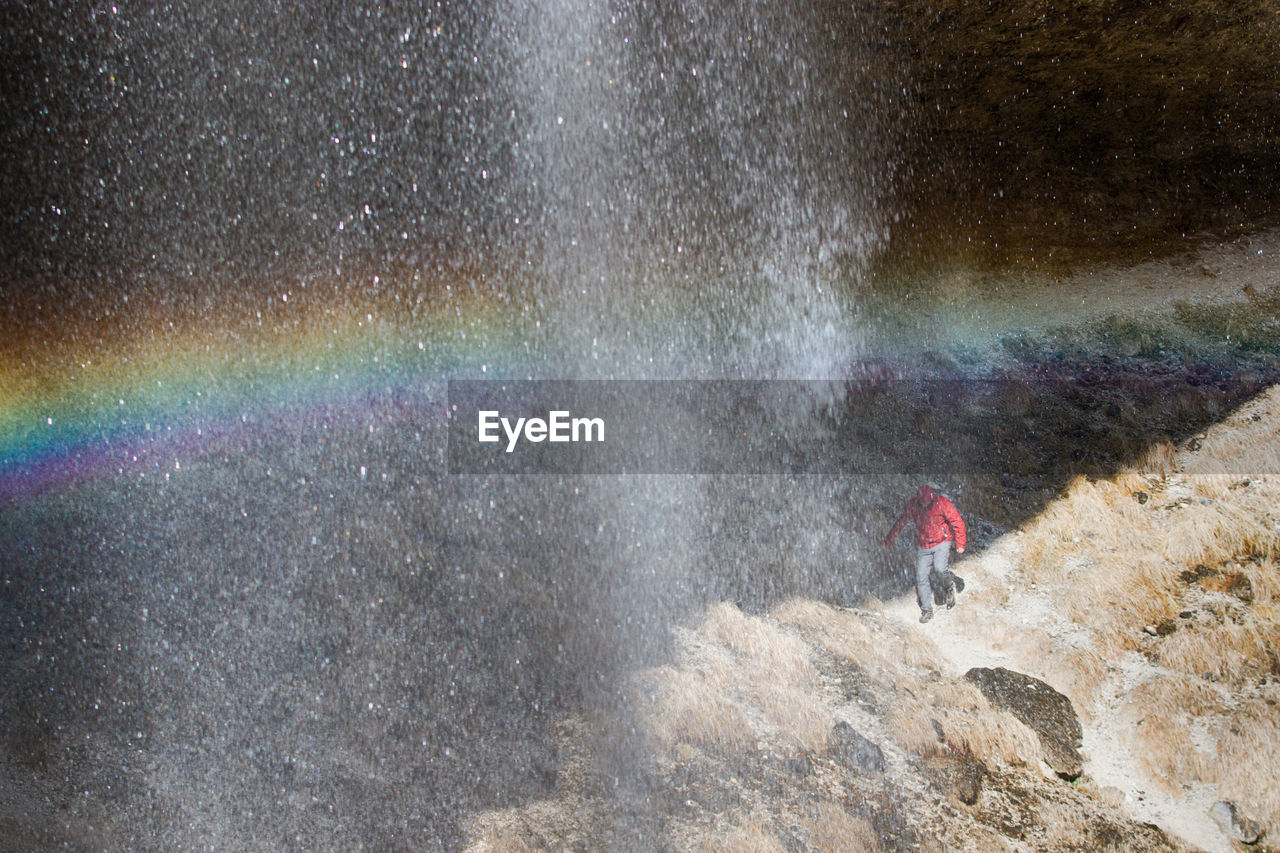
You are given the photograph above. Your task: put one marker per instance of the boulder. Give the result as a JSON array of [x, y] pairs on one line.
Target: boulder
[[1044, 710]]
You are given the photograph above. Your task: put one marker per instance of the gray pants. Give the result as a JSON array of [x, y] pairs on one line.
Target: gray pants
[[932, 560]]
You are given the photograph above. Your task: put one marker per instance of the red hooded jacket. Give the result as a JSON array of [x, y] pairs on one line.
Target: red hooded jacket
[[935, 518]]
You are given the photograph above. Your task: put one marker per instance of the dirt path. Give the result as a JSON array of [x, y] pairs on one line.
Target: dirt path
[[974, 634]]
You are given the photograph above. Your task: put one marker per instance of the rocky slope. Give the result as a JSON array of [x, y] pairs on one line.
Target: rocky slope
[[1151, 600], [812, 728]]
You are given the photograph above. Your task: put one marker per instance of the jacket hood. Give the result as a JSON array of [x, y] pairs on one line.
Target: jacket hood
[[924, 494]]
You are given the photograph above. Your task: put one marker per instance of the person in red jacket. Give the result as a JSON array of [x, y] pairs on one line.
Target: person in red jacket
[[938, 524]]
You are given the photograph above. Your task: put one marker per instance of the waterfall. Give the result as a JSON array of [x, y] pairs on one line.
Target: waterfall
[[707, 180]]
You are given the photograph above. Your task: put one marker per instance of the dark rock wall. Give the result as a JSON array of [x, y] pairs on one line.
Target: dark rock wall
[[1095, 123]]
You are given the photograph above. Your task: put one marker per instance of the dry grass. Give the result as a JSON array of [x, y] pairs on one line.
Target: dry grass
[[1075, 672], [1076, 668], [683, 707], [742, 679], [1264, 580], [842, 632], [1256, 581], [1160, 460], [495, 843], [1116, 594], [1229, 652], [1066, 828], [910, 726], [1114, 565], [969, 725], [753, 835], [1168, 753], [1170, 696], [1240, 446], [500, 834], [861, 638], [833, 830], [758, 644], [1248, 755], [1099, 517], [993, 736], [989, 598], [1214, 533]]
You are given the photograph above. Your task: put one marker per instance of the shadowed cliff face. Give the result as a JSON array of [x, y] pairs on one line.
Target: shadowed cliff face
[[1099, 125]]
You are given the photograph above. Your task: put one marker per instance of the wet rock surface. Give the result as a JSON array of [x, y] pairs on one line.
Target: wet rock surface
[[1045, 711]]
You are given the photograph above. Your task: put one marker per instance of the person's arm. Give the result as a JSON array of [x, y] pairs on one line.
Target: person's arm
[[895, 530], [952, 516]]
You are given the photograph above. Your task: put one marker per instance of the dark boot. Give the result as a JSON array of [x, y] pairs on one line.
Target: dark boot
[[939, 588]]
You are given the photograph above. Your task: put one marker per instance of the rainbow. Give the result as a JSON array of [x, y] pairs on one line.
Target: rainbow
[[85, 402]]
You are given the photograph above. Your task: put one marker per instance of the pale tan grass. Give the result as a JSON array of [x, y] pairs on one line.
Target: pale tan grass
[[1248, 755], [1160, 714], [753, 835], [1129, 530], [970, 726], [816, 616], [1211, 486], [1214, 533], [1089, 518], [1264, 580], [861, 638], [1171, 695], [910, 726], [1160, 460], [988, 599], [909, 647], [993, 736], [985, 839], [957, 695], [833, 830], [1267, 611], [841, 632], [678, 707], [1229, 652], [1122, 591], [1027, 644], [1075, 670], [1238, 447], [1129, 481], [1078, 673], [1067, 826], [1093, 600], [774, 674], [800, 717], [757, 641], [1167, 753]]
